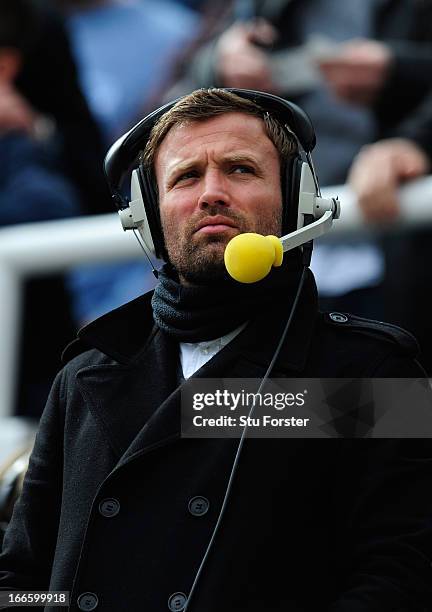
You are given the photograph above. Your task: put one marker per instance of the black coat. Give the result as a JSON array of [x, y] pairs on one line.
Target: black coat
[[312, 524]]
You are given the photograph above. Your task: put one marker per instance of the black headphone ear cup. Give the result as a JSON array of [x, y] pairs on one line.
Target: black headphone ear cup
[[291, 174], [150, 199]]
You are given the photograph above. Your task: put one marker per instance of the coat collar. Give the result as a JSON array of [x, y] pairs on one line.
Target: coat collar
[[136, 399], [124, 333], [121, 334]]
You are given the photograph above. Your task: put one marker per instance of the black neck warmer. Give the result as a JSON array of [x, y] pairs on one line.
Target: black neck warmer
[[205, 312]]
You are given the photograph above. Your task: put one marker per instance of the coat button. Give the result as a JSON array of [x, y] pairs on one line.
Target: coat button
[[177, 602], [109, 507], [88, 601], [337, 317], [198, 506]]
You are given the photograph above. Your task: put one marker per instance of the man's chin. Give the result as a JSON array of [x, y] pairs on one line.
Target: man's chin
[[205, 272], [204, 265], [204, 276]]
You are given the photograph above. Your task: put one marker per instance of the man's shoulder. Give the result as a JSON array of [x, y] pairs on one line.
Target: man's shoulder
[[77, 356], [349, 328], [116, 337], [348, 345]]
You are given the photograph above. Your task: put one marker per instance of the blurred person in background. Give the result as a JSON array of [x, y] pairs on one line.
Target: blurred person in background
[[124, 52], [48, 81], [346, 64], [51, 154], [32, 186], [400, 159], [196, 5]]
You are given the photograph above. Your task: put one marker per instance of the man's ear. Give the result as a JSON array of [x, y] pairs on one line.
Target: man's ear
[[10, 64]]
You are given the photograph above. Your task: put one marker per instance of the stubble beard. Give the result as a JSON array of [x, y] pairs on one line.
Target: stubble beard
[[199, 258]]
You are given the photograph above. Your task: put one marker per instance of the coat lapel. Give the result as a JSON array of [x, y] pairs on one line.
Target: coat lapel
[[138, 408], [137, 401], [127, 399]]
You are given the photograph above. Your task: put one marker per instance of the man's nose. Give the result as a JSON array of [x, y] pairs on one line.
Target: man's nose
[[214, 191]]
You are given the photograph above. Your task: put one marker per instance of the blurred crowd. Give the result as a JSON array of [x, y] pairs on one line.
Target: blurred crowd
[[76, 74]]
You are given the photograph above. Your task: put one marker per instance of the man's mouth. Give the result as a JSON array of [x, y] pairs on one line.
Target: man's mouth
[[213, 225]]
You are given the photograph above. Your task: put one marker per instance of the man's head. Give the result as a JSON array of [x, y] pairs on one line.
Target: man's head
[[216, 159]]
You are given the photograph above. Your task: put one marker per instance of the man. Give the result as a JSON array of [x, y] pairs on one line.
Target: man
[[119, 510]]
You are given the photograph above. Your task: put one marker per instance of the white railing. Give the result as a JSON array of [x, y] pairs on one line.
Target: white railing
[[43, 248]]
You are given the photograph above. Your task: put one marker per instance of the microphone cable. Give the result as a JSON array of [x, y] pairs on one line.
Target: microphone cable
[[307, 252], [146, 253]]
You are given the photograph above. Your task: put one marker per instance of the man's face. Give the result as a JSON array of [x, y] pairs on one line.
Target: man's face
[[216, 179]]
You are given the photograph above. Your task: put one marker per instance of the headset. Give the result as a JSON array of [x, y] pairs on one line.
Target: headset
[[306, 215]]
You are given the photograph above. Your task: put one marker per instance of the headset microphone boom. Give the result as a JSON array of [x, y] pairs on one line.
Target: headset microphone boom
[[249, 257]]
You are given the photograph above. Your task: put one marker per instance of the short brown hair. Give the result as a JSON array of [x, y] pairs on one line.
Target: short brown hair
[[204, 104]]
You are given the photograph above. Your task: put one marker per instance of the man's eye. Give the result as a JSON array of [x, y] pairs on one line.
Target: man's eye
[[186, 175], [241, 169]]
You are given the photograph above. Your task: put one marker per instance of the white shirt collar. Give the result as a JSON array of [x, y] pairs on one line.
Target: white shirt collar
[[193, 355]]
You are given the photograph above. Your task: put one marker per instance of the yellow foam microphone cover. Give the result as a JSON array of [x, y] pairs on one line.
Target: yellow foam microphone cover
[[250, 257]]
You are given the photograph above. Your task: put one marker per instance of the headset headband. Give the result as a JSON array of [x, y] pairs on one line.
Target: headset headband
[[124, 152]]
